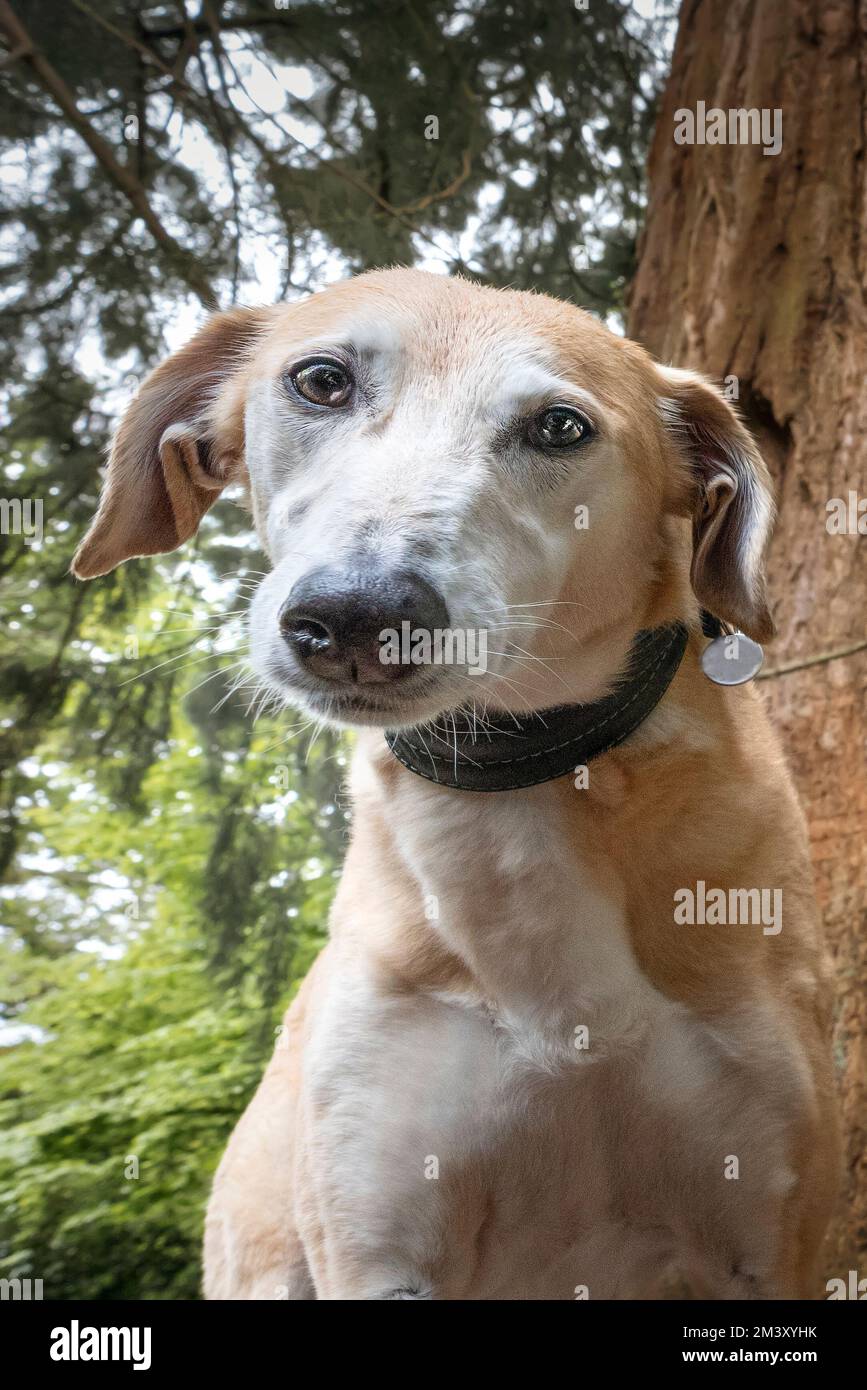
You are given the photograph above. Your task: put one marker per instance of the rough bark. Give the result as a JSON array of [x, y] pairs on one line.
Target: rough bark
[[753, 266]]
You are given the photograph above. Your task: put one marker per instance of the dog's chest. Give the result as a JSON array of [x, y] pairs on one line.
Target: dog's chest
[[582, 1058], [569, 1105], [541, 930]]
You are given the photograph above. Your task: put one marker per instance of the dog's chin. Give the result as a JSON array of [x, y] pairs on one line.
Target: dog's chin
[[399, 706], [354, 712]]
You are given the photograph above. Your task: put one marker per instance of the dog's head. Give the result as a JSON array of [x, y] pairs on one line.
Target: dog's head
[[427, 456]]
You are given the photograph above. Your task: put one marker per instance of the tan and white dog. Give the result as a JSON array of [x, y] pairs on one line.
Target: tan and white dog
[[512, 1073]]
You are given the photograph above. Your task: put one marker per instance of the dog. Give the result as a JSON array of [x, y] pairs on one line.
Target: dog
[[513, 1072]]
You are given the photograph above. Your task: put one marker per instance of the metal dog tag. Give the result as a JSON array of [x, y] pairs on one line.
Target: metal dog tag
[[732, 659]]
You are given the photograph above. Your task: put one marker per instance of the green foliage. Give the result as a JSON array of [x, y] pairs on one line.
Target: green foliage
[[148, 1072], [168, 863], [167, 892]]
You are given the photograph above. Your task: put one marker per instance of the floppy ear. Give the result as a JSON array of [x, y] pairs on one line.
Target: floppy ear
[[170, 459], [728, 494]]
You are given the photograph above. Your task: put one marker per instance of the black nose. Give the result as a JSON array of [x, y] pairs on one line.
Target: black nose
[[333, 621]]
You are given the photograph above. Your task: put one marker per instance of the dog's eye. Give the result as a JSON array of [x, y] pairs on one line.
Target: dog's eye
[[322, 382], [559, 427]]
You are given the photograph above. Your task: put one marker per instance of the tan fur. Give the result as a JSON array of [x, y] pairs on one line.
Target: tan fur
[[446, 1040]]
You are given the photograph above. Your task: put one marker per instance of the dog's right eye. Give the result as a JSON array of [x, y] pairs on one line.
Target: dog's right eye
[[322, 381]]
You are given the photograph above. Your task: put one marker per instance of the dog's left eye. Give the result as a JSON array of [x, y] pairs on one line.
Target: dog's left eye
[[559, 427], [322, 382]]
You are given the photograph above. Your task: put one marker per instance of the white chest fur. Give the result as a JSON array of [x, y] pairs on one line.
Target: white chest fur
[[592, 1089], [543, 937]]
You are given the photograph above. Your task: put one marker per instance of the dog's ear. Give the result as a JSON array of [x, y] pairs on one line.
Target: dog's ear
[[171, 457], [726, 489]]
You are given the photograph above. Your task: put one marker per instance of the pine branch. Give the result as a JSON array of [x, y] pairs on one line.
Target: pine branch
[[281, 20], [183, 263]]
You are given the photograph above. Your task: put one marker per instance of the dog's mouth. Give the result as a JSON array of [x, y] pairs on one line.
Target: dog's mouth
[[353, 707], [421, 696]]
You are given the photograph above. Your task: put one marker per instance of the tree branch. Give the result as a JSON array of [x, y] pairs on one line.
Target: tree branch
[[819, 659], [122, 177], [448, 192], [201, 26]]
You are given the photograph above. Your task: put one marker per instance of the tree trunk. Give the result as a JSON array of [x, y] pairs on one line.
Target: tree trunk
[[752, 266]]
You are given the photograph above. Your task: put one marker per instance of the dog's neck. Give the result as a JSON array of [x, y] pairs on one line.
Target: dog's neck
[[504, 752]]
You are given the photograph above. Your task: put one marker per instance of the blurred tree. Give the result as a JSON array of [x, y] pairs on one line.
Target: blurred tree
[[766, 285]]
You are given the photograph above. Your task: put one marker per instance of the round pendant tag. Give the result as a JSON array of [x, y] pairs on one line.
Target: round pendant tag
[[732, 659]]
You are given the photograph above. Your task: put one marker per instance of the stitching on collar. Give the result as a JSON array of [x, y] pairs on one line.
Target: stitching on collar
[[555, 748]]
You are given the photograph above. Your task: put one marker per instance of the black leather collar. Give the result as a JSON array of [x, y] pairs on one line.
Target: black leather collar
[[521, 751]]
